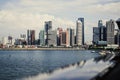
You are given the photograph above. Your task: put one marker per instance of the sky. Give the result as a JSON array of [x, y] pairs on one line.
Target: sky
[[16, 16]]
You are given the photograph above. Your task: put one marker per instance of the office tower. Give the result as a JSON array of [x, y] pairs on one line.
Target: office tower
[[69, 37], [42, 37], [95, 35], [52, 38], [110, 31], [102, 31], [116, 36], [100, 23], [10, 39], [23, 36], [59, 34], [99, 34], [31, 37], [48, 26], [79, 33], [118, 23], [83, 37], [72, 34], [63, 38], [4, 40]]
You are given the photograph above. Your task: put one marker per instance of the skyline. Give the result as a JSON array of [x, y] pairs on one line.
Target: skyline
[[31, 14]]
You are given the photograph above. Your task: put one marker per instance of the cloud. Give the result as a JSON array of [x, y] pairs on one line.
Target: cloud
[[14, 22], [21, 15]]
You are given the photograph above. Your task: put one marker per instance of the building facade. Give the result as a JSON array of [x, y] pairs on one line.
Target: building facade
[[118, 24], [48, 26], [4, 41], [102, 31], [110, 31], [31, 37], [63, 38], [69, 37], [83, 37], [99, 34], [42, 37], [95, 35], [52, 38], [79, 32], [59, 34]]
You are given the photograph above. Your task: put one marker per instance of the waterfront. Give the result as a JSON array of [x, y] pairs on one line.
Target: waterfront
[[21, 64]]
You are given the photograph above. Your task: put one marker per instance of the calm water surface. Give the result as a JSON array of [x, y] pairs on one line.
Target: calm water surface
[[20, 64]]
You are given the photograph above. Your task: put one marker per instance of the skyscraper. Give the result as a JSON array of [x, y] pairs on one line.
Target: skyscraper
[[100, 23], [42, 38], [83, 37], [48, 26], [102, 31], [110, 31], [63, 38], [118, 23], [95, 35], [99, 34], [79, 33], [31, 37], [59, 34], [69, 37], [52, 38]]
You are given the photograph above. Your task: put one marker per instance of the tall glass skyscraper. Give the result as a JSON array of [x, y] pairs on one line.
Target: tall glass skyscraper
[[79, 33], [118, 23], [30, 37], [69, 37], [42, 38], [110, 31], [100, 23], [82, 20], [48, 26], [102, 31]]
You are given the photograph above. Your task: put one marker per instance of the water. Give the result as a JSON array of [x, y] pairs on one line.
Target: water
[[21, 64]]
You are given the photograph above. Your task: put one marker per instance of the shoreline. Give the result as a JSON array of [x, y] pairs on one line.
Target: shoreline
[[32, 49]]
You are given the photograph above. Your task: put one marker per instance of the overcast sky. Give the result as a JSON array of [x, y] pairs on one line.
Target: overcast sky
[[16, 16]]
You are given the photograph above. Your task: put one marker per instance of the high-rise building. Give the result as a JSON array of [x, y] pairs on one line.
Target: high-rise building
[[69, 37], [4, 40], [118, 23], [31, 37], [110, 31], [95, 35], [79, 32], [52, 38], [116, 36], [100, 23], [102, 31], [23, 36], [10, 40], [48, 26], [42, 37], [99, 34], [83, 37], [59, 34], [63, 38]]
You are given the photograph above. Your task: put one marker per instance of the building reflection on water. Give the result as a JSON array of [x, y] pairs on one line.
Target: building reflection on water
[[83, 70]]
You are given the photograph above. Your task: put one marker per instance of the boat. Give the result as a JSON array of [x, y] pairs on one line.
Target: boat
[[92, 51], [105, 52], [102, 53]]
